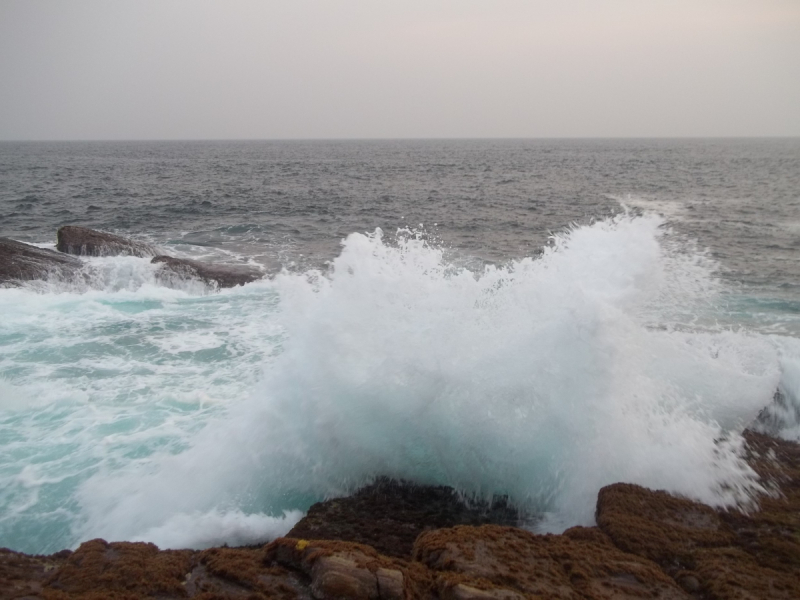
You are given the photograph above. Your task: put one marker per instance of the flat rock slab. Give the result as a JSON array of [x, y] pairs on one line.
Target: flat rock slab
[[223, 276], [83, 241], [23, 262], [389, 515]]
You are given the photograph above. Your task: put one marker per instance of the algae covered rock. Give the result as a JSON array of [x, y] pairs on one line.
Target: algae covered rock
[[508, 560], [714, 553], [389, 515]]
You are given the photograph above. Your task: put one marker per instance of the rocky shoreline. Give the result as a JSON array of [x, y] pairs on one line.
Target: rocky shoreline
[[394, 540], [23, 262]]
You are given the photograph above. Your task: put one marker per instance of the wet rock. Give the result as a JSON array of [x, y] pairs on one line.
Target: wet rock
[[99, 570], [659, 526], [717, 554], [82, 241], [224, 276], [134, 568], [22, 575], [23, 262], [349, 570], [511, 562], [488, 562], [389, 515], [234, 573]]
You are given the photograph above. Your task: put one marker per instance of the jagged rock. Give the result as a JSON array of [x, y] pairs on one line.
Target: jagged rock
[[23, 262], [82, 241], [221, 275], [389, 515]]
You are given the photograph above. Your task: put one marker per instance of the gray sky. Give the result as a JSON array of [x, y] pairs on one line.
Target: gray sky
[[197, 69]]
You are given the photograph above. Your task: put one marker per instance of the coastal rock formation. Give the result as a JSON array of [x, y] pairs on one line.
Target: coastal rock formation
[[648, 544], [389, 515], [23, 262], [82, 241], [506, 562], [721, 554], [223, 276], [487, 562]]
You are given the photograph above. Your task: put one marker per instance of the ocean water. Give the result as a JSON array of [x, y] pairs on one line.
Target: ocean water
[[529, 318]]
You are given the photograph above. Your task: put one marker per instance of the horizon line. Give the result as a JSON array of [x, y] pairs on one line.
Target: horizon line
[[398, 139]]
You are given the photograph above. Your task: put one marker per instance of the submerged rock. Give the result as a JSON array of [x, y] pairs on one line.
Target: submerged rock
[[223, 276], [23, 262], [82, 241]]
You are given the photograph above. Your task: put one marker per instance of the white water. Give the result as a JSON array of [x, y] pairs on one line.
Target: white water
[[190, 419]]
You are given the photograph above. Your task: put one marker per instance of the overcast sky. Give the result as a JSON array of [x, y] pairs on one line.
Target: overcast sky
[[197, 69]]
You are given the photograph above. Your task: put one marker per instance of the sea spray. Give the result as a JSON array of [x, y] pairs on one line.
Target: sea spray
[[543, 379], [97, 379]]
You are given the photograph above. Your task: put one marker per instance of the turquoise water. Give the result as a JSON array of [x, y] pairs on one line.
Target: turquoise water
[[98, 379]]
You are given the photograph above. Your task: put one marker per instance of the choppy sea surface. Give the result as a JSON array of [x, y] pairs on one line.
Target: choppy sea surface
[[529, 318]]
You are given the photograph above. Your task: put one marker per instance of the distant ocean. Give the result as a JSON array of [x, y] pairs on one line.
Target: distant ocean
[[528, 318]]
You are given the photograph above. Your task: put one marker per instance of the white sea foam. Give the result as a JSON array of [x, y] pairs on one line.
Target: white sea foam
[[203, 530], [782, 417], [543, 379]]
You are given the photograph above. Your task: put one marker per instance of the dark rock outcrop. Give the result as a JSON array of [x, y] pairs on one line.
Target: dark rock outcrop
[[82, 241], [389, 515], [223, 276], [23, 262]]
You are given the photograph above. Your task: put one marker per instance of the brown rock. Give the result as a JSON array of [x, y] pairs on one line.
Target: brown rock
[[338, 576], [718, 554], [772, 533], [512, 561], [135, 569], [22, 575], [390, 583], [461, 591], [241, 573], [389, 515], [82, 241], [659, 526], [223, 276], [132, 571], [23, 262], [349, 570]]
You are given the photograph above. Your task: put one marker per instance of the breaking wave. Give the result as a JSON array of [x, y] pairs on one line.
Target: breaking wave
[[543, 380]]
